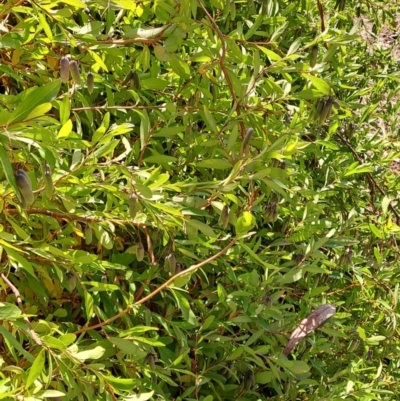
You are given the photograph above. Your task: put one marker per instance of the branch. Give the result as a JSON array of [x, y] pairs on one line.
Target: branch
[[190, 270], [321, 15], [222, 63], [14, 289]]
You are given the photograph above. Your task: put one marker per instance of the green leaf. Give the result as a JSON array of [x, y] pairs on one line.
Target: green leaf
[[218, 164], [184, 306], [160, 159], [144, 128], [359, 169], [292, 276], [8, 171], [9, 311], [50, 394], [297, 367], [257, 23], [319, 83], [120, 384], [88, 305], [210, 120], [15, 344], [98, 60], [204, 228], [95, 353], [179, 66], [245, 222], [139, 397], [271, 55], [36, 369], [264, 377], [385, 204], [45, 26], [34, 98], [24, 263], [39, 111], [294, 46], [55, 343], [65, 130], [128, 346], [375, 230]]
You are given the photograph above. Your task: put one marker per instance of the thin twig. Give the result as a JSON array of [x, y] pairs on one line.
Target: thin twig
[[14, 289], [190, 270], [222, 64]]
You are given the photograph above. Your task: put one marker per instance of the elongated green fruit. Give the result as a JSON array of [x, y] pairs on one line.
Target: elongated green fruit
[[73, 67], [192, 101], [25, 186], [224, 218], [151, 360], [232, 9], [313, 56], [64, 69], [326, 111], [247, 137], [354, 343], [298, 258], [272, 211], [167, 264], [128, 78], [24, 204], [227, 371], [48, 181], [71, 281], [249, 380], [195, 127], [140, 252], [90, 82], [135, 81], [340, 5], [350, 128], [170, 263], [88, 234], [318, 109], [133, 205], [213, 91], [264, 6]]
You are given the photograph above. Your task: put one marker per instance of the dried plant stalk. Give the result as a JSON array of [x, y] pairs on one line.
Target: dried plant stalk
[[309, 324]]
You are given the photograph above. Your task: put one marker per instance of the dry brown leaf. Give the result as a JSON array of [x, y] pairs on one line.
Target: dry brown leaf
[[310, 323]]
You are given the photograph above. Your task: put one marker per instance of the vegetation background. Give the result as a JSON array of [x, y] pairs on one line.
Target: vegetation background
[[206, 174]]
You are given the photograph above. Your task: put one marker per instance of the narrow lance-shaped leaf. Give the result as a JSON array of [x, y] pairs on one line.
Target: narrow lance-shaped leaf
[[43, 94], [8, 172]]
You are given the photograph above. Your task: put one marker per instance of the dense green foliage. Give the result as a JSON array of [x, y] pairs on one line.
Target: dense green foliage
[[205, 175]]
